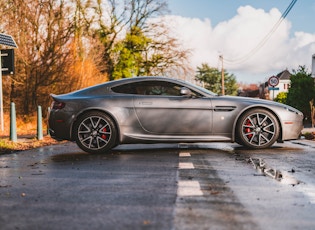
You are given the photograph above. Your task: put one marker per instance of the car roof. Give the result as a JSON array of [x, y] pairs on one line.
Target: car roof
[[142, 78], [106, 86]]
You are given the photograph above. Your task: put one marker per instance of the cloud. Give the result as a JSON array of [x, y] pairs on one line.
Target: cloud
[[247, 42]]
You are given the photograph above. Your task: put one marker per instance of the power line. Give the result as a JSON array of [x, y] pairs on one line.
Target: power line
[[265, 39]]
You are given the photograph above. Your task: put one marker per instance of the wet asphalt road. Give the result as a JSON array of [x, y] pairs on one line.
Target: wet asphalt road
[[206, 186]]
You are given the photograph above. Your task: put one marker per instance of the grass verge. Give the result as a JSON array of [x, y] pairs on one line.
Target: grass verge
[[26, 135], [7, 146]]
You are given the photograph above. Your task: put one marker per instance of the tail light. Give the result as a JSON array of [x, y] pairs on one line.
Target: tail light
[[57, 105]]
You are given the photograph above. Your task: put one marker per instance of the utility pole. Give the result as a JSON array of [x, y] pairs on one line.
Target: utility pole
[[222, 75]]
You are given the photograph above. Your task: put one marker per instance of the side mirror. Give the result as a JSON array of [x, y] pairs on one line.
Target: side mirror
[[185, 92]]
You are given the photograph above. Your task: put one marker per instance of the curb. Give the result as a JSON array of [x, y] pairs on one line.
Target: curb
[[304, 142]]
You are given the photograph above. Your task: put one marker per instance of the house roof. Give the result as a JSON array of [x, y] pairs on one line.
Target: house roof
[[284, 75]]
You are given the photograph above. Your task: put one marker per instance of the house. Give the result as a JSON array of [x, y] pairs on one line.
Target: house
[[270, 92]]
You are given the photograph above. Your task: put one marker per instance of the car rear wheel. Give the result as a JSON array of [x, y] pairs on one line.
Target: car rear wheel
[[257, 129], [95, 132]]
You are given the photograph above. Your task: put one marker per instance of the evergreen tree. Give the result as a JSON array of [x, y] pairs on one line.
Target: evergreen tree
[[302, 90], [211, 78], [130, 54]]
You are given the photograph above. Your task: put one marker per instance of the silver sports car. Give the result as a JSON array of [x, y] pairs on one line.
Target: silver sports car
[[163, 110]]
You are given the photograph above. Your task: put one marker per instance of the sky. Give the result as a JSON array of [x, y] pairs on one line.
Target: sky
[[246, 35]]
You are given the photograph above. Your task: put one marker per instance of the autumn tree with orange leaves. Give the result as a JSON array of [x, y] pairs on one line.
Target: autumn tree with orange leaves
[[64, 45]]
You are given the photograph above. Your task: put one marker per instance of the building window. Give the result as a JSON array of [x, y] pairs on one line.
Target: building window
[[286, 86]]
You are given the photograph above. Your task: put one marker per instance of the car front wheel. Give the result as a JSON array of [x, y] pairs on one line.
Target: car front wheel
[[257, 129], [95, 132]]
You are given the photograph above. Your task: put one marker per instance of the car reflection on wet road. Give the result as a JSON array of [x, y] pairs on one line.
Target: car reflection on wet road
[[205, 186]]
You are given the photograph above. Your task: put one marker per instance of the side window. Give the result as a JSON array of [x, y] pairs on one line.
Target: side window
[[150, 88], [125, 89], [139, 88], [164, 89]]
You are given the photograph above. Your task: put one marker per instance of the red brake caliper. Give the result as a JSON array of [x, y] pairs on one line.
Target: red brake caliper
[[247, 129], [103, 135]]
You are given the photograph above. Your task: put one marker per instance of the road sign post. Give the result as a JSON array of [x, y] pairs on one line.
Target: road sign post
[[273, 81], [1, 96], [8, 41]]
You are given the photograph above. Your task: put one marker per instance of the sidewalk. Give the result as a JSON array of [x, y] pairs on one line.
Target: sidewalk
[[308, 130], [303, 141]]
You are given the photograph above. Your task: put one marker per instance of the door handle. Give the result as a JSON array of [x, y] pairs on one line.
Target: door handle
[[146, 103]]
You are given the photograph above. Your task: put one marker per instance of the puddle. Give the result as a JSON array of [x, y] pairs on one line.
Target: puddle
[[284, 177]]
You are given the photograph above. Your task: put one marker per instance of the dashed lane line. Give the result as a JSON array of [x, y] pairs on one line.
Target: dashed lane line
[[187, 187], [186, 165], [184, 154]]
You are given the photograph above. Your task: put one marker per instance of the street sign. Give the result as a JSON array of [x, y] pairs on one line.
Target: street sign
[[273, 81], [273, 88], [7, 64], [7, 40]]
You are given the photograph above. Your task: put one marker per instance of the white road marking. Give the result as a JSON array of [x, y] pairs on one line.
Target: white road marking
[[186, 165], [189, 188], [184, 154]]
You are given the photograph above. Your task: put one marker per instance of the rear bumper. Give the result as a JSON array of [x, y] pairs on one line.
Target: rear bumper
[[59, 126], [53, 135]]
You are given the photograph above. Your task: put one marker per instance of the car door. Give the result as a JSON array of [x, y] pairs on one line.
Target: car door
[[162, 110]]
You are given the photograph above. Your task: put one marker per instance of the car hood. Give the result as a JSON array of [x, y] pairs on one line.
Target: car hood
[[249, 100]]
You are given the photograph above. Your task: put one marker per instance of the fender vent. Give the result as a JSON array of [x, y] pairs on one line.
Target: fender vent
[[224, 108]]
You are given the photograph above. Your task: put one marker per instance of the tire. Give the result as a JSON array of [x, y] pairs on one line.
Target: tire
[[257, 129], [95, 132]]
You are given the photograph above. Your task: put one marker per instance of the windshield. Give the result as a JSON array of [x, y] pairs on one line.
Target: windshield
[[206, 91], [203, 90]]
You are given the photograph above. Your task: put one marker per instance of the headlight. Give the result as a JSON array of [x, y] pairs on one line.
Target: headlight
[[293, 110]]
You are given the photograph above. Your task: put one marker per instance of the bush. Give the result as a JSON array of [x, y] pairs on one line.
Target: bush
[[309, 136], [281, 97]]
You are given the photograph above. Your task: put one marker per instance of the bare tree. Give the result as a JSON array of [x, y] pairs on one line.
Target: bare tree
[[69, 44], [165, 55], [43, 33], [87, 50]]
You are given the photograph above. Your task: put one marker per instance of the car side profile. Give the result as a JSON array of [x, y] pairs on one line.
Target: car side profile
[[165, 110]]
